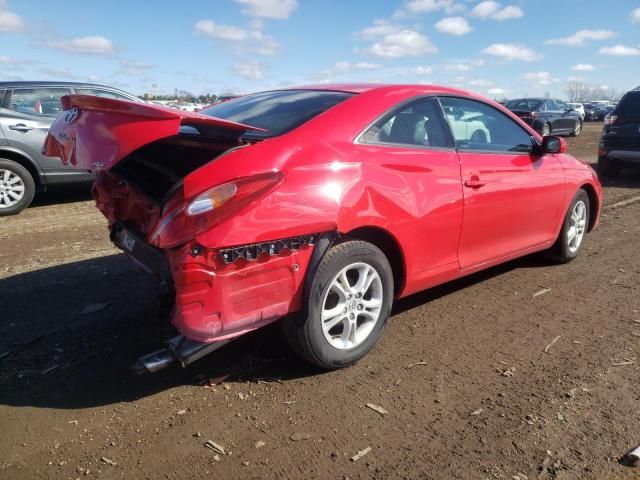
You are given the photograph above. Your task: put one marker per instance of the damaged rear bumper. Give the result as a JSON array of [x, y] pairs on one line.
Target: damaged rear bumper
[[224, 293]]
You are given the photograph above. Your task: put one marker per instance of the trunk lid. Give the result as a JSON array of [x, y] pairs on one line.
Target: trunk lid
[[95, 133]]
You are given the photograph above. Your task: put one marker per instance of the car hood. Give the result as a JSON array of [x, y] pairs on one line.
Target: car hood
[[95, 133]]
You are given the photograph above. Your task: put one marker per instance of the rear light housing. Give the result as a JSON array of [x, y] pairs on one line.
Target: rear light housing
[[182, 219], [612, 119]]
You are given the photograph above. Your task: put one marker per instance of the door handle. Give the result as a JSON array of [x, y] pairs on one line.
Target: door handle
[[20, 127], [474, 182]]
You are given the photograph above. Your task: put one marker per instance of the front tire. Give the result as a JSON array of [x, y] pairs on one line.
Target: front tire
[[574, 229], [348, 304], [17, 188], [546, 130]]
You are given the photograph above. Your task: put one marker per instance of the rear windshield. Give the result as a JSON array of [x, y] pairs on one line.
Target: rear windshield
[[526, 104], [629, 106], [277, 112]]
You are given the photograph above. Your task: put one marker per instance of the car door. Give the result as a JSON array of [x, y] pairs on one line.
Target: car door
[[552, 116], [513, 198], [411, 149], [25, 118], [567, 118]]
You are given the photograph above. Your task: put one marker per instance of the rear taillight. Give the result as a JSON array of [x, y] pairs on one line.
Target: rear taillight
[[182, 219], [612, 119]]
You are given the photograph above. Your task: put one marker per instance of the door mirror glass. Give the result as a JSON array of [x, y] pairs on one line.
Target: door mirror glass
[[554, 145]]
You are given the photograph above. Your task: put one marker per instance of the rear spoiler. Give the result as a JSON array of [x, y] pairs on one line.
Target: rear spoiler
[[95, 133]]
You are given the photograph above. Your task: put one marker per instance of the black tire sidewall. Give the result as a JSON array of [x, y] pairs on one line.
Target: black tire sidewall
[[323, 353], [29, 187], [563, 247]]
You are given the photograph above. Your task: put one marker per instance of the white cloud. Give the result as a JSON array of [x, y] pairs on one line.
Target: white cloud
[[541, 78], [262, 43], [212, 29], [573, 78], [6, 60], [266, 44], [635, 16], [9, 21], [508, 13], [133, 68], [380, 28], [91, 45], [620, 51], [583, 67], [428, 6], [497, 91], [581, 37], [458, 67], [278, 9], [405, 43], [250, 71], [453, 26], [510, 52], [480, 83], [491, 10], [422, 70]]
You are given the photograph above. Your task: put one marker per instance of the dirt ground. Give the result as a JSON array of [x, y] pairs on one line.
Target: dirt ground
[[462, 369]]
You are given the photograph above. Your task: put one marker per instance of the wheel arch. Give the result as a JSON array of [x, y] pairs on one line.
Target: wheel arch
[[386, 242], [27, 162], [594, 204]]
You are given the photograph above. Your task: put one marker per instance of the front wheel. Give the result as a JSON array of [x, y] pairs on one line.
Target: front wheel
[[348, 305], [546, 130], [17, 187], [574, 229]]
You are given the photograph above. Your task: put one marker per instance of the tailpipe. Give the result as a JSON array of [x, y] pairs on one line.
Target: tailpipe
[[179, 349]]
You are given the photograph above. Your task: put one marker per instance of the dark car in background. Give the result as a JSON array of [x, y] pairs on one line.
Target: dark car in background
[[27, 110], [620, 140], [547, 116]]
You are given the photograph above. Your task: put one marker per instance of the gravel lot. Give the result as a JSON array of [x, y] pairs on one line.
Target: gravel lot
[[462, 370]]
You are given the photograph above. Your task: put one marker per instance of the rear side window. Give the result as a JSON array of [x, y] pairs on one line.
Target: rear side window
[[417, 123], [525, 104], [39, 102], [480, 127], [629, 106], [277, 112], [102, 93]]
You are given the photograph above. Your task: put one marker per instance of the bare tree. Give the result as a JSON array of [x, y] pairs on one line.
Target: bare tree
[[578, 91]]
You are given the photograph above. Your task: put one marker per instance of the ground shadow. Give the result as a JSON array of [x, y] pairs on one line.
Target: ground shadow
[[61, 195], [69, 333], [627, 178]]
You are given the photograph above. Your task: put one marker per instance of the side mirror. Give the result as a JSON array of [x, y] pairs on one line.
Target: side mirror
[[554, 145]]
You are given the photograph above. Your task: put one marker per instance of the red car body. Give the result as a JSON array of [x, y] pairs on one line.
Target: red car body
[[438, 214]]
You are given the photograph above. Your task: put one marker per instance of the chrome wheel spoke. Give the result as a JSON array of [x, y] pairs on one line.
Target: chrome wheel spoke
[[577, 226], [351, 311]]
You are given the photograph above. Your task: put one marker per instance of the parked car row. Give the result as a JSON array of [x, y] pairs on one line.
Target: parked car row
[[27, 110], [548, 116]]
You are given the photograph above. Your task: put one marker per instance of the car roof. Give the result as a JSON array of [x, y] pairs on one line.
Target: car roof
[[49, 83], [368, 87]]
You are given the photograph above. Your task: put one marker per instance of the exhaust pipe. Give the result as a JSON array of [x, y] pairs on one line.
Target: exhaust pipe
[[179, 349]]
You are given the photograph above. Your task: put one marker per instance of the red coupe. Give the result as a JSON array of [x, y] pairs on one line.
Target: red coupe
[[321, 205]]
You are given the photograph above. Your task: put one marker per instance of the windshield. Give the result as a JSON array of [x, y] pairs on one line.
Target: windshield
[[528, 104], [277, 112]]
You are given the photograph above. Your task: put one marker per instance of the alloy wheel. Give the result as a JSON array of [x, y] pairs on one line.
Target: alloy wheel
[[577, 226], [351, 306], [11, 188]]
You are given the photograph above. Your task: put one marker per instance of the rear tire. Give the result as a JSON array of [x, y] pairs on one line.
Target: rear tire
[[17, 188], [577, 129], [608, 167], [574, 229], [343, 321]]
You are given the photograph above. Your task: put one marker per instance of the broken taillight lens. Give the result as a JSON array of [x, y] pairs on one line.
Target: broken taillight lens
[[182, 220]]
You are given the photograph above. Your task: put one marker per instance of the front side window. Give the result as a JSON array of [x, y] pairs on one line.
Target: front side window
[[39, 102], [478, 126], [277, 112], [560, 105], [417, 123]]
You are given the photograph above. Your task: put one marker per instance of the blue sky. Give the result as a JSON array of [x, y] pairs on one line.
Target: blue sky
[[498, 48]]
